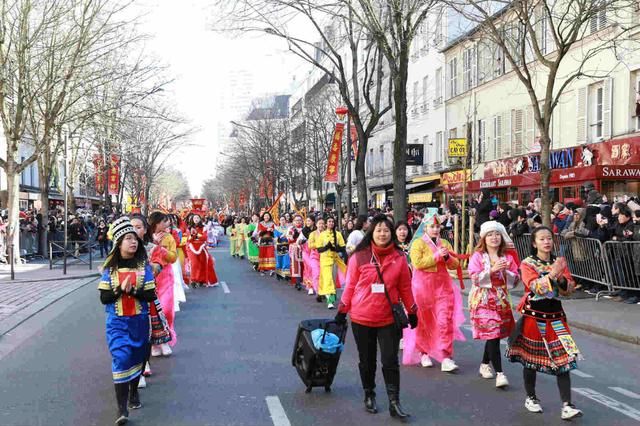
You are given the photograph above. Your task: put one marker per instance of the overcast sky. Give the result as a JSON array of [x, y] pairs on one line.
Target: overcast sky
[[199, 59]]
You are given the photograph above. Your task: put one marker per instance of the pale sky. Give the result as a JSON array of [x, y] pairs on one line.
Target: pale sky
[[199, 59]]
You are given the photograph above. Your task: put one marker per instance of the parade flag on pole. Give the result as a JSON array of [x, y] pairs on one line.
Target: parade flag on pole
[[114, 175], [98, 165], [274, 210], [334, 155]]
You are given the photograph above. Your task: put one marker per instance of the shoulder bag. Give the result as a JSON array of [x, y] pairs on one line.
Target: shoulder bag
[[397, 309]]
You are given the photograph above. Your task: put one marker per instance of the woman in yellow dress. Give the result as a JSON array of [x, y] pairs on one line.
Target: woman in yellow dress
[[329, 244], [241, 229]]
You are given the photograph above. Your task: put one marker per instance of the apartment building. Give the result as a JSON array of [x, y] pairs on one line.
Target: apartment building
[[594, 128]]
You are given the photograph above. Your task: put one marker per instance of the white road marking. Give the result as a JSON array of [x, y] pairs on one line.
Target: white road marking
[[625, 392], [581, 374], [225, 287], [609, 402], [278, 416]]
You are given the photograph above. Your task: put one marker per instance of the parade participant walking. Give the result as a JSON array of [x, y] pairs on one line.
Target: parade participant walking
[[329, 244], [493, 272], [403, 236], [357, 234], [294, 235], [126, 289], [179, 295], [240, 238], [283, 261], [203, 271], [439, 300], [156, 255], [251, 239], [310, 255], [157, 233], [542, 340], [378, 275], [266, 249], [234, 236]]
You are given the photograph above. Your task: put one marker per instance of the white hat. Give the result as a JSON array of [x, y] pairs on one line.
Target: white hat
[[492, 225]]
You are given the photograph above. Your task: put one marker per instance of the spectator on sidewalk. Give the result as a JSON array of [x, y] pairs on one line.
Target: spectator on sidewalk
[[519, 226], [485, 205], [101, 238]]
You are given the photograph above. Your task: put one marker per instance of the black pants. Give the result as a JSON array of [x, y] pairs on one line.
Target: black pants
[[492, 353], [367, 340], [564, 384]]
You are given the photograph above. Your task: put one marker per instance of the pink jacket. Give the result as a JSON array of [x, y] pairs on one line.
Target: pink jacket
[[373, 309]]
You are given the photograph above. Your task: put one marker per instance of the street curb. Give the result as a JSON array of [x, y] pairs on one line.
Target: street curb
[[24, 314], [62, 278], [605, 332]]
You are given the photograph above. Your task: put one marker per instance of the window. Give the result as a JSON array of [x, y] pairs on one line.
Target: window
[[425, 143], [517, 118], [543, 32], [453, 77], [497, 137], [381, 163], [415, 93], [438, 149], [425, 84], [438, 95], [499, 67], [468, 68], [453, 133], [597, 113], [480, 157], [598, 21], [370, 162], [437, 33]]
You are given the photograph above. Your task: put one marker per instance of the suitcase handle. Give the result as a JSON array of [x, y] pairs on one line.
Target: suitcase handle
[[326, 330]]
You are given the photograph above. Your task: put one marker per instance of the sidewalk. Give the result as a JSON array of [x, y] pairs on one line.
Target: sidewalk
[[36, 287], [607, 318]]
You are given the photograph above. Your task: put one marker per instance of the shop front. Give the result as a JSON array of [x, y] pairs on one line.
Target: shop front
[[612, 166], [424, 191]]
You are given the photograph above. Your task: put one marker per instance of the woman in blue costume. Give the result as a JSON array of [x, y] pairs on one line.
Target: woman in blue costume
[[126, 289]]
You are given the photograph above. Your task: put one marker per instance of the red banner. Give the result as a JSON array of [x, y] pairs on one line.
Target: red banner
[[334, 155], [354, 142], [114, 175], [98, 165]]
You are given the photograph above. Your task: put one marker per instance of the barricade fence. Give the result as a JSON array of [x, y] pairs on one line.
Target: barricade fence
[[623, 262]]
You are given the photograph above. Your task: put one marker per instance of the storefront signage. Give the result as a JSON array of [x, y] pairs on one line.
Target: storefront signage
[[497, 183], [619, 172], [415, 154], [562, 159], [457, 147], [457, 176]]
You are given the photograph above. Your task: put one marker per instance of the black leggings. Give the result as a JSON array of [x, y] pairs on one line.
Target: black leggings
[[367, 339], [492, 353], [564, 384]]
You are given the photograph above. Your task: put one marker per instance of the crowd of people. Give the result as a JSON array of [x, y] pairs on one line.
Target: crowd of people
[[380, 263], [151, 262], [593, 216]]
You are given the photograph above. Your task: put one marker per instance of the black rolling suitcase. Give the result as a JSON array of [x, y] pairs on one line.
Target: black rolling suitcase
[[315, 366]]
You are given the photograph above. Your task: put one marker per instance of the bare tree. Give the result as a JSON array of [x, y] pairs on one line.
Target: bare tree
[[534, 39], [339, 47]]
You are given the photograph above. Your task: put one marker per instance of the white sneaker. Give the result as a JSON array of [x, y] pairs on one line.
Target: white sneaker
[[485, 371], [310, 292], [501, 381], [143, 383], [425, 361], [330, 306], [147, 369], [401, 344], [156, 351], [569, 411], [448, 365], [533, 405], [166, 349]]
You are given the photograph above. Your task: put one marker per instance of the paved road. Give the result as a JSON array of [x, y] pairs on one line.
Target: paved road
[[234, 351]]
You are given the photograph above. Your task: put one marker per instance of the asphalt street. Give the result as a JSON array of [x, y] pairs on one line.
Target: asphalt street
[[232, 366]]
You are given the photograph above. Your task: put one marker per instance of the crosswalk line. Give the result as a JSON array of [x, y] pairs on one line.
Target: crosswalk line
[[581, 374], [625, 392]]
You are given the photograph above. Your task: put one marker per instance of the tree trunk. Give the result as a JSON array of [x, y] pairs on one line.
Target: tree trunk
[[44, 225], [71, 200], [13, 206], [545, 174], [361, 175], [400, 143]]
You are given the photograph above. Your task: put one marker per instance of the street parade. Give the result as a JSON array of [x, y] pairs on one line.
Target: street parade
[[306, 213]]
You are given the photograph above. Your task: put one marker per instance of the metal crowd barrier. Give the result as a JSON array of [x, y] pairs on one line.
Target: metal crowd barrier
[[623, 262], [73, 250]]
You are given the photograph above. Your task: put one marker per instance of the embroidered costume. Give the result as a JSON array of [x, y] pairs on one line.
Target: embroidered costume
[[295, 255], [202, 263], [489, 302], [329, 243], [283, 261], [165, 282], [542, 340], [252, 248], [311, 257], [266, 249]]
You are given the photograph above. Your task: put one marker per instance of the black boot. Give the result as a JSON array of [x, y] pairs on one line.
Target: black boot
[[370, 401], [298, 284], [134, 396], [122, 393], [395, 409]]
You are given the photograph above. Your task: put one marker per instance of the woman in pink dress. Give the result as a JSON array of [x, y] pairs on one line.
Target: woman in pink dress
[[439, 301], [493, 272]]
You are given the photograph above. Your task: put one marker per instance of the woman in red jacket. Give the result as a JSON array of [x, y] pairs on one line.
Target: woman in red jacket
[[365, 300]]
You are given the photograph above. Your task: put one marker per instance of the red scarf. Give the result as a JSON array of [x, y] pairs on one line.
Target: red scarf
[[381, 252]]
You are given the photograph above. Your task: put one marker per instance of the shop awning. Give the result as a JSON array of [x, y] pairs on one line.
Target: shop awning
[[425, 196], [426, 178]]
